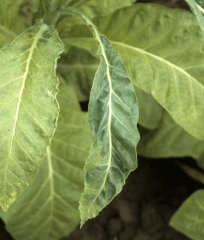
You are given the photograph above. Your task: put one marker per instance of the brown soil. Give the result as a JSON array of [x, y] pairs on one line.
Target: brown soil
[[143, 209]]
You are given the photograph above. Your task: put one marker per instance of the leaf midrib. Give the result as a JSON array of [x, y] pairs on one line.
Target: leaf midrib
[[33, 46], [157, 58], [109, 119], [124, 45]]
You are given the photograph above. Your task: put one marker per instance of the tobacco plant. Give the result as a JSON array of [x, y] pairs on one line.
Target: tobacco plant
[[124, 58]]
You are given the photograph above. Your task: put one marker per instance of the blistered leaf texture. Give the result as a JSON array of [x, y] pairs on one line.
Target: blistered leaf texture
[[28, 107], [157, 57], [113, 115], [189, 218], [52, 198]]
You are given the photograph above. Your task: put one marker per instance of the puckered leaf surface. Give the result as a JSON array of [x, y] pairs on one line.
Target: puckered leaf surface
[[113, 115], [79, 67], [28, 107], [52, 197], [157, 57], [189, 218]]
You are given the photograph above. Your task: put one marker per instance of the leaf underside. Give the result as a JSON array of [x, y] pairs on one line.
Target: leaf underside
[[28, 107], [52, 197]]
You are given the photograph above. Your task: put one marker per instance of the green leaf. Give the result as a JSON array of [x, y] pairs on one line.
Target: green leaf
[[150, 111], [10, 17], [6, 36], [113, 116], [189, 218], [157, 57], [198, 9], [79, 67], [52, 197], [28, 107], [92, 8], [170, 140]]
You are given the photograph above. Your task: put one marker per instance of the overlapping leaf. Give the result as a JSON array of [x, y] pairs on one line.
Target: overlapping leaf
[[28, 107], [198, 9], [92, 8], [52, 197], [10, 17], [113, 115], [79, 67], [157, 57], [10, 21], [170, 140], [189, 218]]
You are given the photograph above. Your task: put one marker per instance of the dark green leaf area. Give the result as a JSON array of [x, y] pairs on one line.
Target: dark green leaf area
[[113, 115]]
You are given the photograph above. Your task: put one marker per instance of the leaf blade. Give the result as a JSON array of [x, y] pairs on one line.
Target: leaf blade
[[106, 177], [113, 116], [198, 11], [52, 197], [24, 100], [159, 62], [189, 217]]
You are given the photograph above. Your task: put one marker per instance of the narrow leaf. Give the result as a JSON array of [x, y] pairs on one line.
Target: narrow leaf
[[113, 116], [28, 107], [52, 197], [189, 218], [157, 58]]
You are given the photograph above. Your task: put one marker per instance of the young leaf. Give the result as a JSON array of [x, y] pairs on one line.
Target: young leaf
[[157, 57], [52, 197], [28, 107], [198, 10], [189, 218], [113, 116]]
